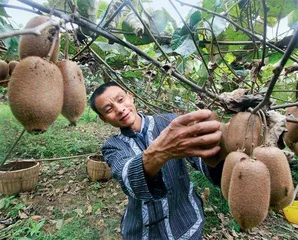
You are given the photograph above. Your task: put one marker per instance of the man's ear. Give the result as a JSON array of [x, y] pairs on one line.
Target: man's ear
[[102, 118]]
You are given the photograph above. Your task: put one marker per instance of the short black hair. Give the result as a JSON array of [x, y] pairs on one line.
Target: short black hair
[[98, 91]]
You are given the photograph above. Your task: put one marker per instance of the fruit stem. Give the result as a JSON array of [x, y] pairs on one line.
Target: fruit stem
[[54, 42], [264, 129]]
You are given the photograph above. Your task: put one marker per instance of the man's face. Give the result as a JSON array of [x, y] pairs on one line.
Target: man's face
[[116, 107]]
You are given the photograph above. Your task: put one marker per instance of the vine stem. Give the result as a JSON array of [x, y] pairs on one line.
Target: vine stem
[[35, 31], [55, 38], [236, 25], [277, 72], [12, 147], [284, 106], [264, 35]]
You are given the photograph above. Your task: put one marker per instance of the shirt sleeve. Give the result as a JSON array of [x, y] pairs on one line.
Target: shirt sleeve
[[127, 169]]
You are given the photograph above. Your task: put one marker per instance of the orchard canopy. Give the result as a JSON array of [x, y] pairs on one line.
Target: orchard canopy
[[176, 55]]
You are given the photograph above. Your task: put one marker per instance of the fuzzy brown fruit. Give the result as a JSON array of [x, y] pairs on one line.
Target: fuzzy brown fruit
[[249, 193], [291, 136], [280, 173], [31, 45], [230, 162], [246, 127], [4, 70], [12, 64], [74, 101], [35, 93], [221, 155]]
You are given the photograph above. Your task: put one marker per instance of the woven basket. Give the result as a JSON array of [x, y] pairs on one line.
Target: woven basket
[[97, 168], [18, 177]]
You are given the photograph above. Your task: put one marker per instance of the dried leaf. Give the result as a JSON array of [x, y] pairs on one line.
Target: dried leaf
[[59, 224], [241, 104], [2, 226], [68, 220], [136, 25], [234, 94], [36, 218], [89, 209], [50, 208], [79, 212], [23, 215], [277, 124], [295, 225], [62, 171]]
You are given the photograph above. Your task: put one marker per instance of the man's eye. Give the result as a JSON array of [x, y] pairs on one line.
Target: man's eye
[[108, 110], [121, 99]]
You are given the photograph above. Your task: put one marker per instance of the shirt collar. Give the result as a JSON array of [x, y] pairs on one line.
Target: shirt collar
[[144, 126]]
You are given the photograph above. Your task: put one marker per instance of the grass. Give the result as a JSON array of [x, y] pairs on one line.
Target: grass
[[60, 140]]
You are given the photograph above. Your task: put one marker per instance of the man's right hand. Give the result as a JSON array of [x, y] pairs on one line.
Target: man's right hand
[[182, 139]]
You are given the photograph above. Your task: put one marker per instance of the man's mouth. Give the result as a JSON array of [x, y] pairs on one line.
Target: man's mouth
[[124, 117]]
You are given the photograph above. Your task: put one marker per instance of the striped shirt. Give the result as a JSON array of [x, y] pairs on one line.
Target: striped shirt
[[165, 206]]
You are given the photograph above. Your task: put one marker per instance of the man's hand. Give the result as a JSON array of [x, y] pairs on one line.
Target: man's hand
[[182, 139]]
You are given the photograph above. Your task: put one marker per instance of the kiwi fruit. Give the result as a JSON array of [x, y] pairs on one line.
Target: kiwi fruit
[[249, 193], [213, 116], [291, 136], [247, 127], [221, 155], [31, 45], [35, 93], [74, 101], [12, 64], [280, 173], [229, 164], [4, 70], [286, 201]]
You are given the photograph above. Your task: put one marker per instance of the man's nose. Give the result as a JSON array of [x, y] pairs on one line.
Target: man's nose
[[120, 108]]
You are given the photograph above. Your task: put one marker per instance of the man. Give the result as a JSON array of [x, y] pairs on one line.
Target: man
[[148, 158]]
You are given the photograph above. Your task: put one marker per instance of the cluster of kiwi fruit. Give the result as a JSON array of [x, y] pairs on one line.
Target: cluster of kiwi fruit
[[39, 89], [6, 71], [255, 176]]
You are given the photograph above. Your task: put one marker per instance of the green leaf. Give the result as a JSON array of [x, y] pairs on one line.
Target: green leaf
[[232, 35], [102, 6], [2, 10], [178, 38], [12, 42], [186, 48], [116, 48], [134, 39], [278, 8], [213, 5], [160, 21], [293, 19], [195, 18]]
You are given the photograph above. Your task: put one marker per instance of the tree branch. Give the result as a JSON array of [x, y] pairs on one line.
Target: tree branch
[[35, 31], [277, 72], [20, 8], [264, 35], [284, 106], [91, 26]]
